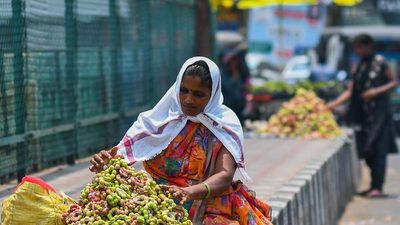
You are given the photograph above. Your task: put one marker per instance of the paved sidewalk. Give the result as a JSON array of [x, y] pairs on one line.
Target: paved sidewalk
[[384, 211]]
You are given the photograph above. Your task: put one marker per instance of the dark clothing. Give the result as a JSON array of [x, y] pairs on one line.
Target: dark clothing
[[376, 160], [373, 119], [375, 116], [233, 89]]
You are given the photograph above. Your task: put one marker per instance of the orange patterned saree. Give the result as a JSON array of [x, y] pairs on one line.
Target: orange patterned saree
[[184, 162]]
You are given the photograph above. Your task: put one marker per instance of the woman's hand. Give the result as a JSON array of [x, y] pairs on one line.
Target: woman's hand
[[346, 95], [331, 106], [218, 183], [100, 159], [179, 193], [369, 94]]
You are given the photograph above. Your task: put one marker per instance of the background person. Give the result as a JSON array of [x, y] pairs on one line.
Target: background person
[[369, 110]]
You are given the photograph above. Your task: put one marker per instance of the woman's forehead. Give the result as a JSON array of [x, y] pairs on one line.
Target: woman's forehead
[[194, 82]]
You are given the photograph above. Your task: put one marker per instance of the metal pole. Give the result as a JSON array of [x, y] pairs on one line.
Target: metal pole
[[116, 78], [147, 28], [71, 72], [104, 96], [58, 81], [172, 46], [115, 56], [3, 94], [203, 28], [18, 66]]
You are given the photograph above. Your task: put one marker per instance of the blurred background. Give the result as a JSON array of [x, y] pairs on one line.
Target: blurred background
[[308, 46], [74, 74]]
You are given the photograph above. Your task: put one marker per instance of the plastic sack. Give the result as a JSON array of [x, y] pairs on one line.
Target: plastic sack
[[34, 202]]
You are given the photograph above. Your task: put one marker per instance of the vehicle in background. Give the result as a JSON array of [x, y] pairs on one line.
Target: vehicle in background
[[301, 68], [297, 69], [261, 70]]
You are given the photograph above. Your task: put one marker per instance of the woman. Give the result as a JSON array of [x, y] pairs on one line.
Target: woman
[[193, 144], [369, 111], [235, 79]]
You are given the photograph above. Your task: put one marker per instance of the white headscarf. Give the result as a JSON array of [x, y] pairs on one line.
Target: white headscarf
[[155, 129]]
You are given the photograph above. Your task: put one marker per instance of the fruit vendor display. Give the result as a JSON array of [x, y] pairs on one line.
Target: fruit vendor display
[[306, 116], [272, 87], [121, 195]]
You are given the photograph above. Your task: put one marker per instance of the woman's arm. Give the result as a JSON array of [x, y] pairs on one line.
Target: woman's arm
[[218, 183], [342, 98]]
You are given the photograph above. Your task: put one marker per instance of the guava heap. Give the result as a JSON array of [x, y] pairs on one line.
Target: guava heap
[[121, 195], [306, 116]]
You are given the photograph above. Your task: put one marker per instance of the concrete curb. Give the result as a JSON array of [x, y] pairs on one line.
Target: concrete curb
[[319, 193]]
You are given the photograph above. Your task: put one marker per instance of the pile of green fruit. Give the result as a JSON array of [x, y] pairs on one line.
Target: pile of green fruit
[[121, 195], [272, 87], [305, 116]]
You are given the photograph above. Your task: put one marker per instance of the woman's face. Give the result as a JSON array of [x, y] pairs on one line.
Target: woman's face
[[363, 50], [193, 95]]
